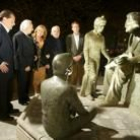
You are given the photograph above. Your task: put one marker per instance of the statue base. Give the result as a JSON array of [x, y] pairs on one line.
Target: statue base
[[29, 125], [135, 99]]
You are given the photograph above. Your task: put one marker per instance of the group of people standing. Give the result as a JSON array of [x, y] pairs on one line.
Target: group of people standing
[[33, 54], [31, 51], [28, 55]]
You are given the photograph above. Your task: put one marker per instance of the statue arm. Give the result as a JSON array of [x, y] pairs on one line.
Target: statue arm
[[86, 49], [76, 103], [104, 52], [135, 59]]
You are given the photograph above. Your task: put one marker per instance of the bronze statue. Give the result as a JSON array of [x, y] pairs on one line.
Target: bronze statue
[[94, 45], [63, 112], [124, 66]]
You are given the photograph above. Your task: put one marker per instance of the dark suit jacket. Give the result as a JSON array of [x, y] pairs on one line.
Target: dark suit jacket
[[71, 45], [53, 47], [6, 48], [24, 50]]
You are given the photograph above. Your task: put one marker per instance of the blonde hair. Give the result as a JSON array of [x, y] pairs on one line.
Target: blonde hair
[[44, 29]]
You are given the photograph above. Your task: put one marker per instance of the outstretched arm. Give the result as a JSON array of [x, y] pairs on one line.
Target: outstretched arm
[[104, 52], [86, 49], [77, 105]]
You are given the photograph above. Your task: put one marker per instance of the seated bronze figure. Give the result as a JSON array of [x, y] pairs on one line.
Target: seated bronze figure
[[63, 112]]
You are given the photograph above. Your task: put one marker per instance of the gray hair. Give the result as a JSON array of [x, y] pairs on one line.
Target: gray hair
[[24, 24]]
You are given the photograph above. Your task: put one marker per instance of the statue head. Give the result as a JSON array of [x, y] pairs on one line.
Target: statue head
[[99, 24], [132, 21], [62, 65]]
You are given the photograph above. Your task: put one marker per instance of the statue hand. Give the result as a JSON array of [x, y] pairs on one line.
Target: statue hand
[[122, 60], [110, 60]]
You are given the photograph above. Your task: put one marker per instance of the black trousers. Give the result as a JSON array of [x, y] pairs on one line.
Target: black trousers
[[24, 82], [5, 94]]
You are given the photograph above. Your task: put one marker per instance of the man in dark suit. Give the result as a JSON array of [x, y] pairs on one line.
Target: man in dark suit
[[24, 59], [54, 46], [7, 21], [74, 44]]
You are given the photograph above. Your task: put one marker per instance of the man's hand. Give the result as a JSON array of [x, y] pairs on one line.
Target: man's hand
[[77, 58], [47, 66], [4, 67], [35, 58], [28, 68]]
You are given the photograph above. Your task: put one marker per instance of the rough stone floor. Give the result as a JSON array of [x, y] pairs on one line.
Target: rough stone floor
[[113, 123]]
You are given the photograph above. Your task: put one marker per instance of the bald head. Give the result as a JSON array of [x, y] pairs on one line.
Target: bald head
[[55, 31]]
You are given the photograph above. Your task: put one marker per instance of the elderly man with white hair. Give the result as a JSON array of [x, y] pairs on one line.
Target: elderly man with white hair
[[94, 45], [24, 58], [54, 46]]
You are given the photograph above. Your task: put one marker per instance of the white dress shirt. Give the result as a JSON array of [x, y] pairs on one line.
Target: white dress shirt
[[76, 37]]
